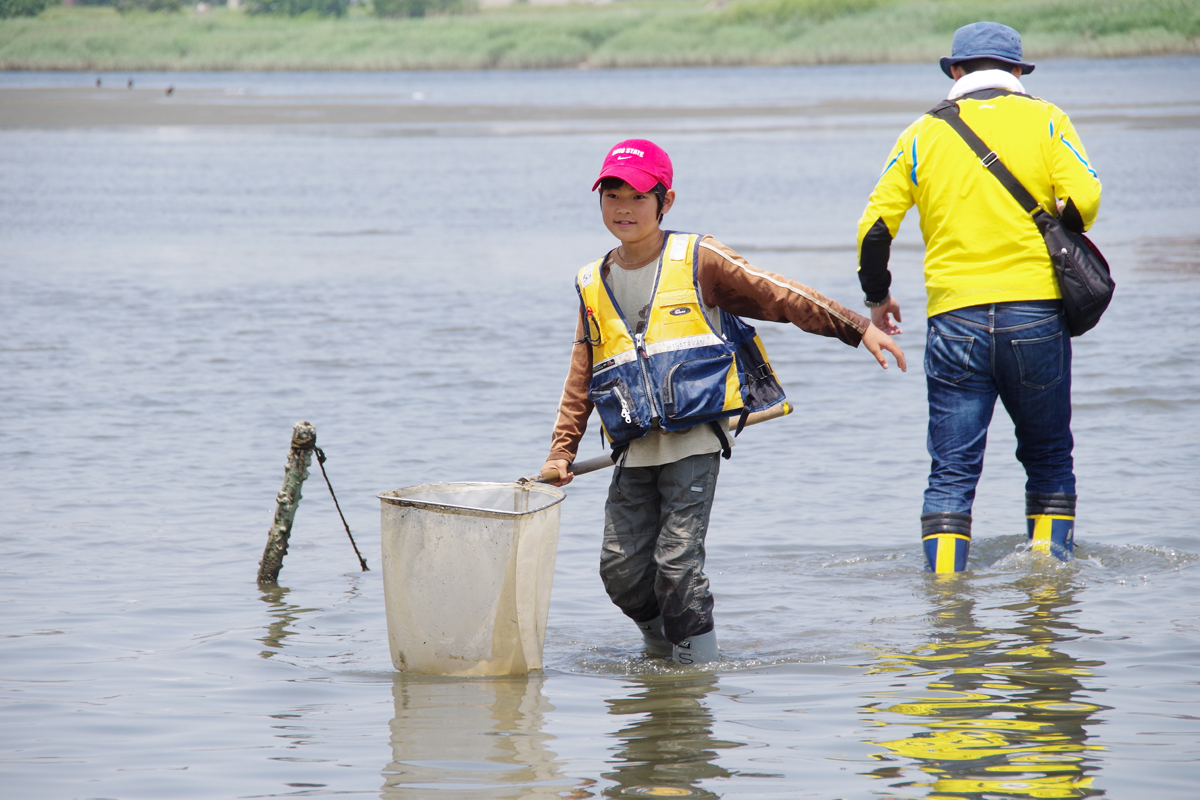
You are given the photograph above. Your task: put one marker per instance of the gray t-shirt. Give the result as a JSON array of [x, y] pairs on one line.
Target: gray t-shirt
[[633, 290]]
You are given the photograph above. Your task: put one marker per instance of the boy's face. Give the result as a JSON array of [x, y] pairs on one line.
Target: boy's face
[[630, 215]]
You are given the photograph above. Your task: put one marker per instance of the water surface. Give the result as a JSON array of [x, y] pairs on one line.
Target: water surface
[[174, 297]]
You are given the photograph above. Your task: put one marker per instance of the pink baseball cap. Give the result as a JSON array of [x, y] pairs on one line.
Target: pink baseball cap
[[640, 163]]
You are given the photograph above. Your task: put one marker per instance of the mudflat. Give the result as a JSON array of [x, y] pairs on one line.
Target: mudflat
[[104, 107]]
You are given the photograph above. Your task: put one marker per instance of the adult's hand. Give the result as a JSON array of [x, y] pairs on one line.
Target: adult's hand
[[563, 469], [877, 341], [881, 317]]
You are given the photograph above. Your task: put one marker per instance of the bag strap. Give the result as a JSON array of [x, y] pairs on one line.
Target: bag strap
[[947, 111], [718, 427]]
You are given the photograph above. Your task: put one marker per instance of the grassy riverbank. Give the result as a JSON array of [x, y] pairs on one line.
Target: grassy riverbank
[[622, 34]]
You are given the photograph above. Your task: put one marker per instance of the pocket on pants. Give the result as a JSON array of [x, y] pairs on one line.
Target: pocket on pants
[[947, 356], [1040, 360]]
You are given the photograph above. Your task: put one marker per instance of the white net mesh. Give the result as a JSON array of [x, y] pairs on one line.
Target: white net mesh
[[467, 570]]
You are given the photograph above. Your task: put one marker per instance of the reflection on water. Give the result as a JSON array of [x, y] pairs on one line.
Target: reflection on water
[[1003, 714], [283, 614], [666, 740], [472, 739]]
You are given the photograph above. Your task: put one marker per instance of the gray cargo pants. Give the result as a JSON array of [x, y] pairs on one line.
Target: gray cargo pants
[[652, 561]]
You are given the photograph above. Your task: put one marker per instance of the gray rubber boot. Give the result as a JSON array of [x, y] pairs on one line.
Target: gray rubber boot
[[696, 650], [657, 643]]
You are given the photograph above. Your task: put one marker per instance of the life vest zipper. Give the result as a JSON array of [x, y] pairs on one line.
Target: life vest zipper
[[639, 342]]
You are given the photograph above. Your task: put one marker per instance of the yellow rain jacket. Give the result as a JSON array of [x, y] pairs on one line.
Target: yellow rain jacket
[[980, 246]]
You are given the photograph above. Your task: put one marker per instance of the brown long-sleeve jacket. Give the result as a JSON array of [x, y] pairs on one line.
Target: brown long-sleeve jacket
[[729, 282]]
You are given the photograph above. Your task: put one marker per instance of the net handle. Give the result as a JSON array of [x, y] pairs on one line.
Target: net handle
[[602, 461]]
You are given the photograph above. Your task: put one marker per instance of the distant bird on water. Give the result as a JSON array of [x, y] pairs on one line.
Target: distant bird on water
[[170, 91]]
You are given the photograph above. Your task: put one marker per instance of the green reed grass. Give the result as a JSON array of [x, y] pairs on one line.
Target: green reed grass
[[623, 34]]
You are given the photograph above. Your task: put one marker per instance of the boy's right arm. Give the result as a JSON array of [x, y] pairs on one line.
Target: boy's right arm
[[574, 408]]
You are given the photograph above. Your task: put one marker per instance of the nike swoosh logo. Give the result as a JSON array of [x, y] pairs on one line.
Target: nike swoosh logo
[[622, 158]]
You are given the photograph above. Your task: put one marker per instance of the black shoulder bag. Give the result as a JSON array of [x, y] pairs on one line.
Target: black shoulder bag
[[1083, 275]]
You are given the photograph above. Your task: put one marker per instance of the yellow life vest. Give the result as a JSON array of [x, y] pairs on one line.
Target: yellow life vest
[[679, 372]]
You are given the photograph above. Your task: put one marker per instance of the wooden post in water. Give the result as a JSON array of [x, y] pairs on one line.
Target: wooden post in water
[[304, 439]]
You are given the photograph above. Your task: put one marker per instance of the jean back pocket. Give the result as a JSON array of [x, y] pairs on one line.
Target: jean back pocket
[[1040, 360], [948, 357]]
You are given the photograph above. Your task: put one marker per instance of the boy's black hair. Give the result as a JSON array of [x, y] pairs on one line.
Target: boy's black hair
[[612, 182]]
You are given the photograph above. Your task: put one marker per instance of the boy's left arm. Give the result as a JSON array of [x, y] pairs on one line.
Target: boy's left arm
[[729, 282]]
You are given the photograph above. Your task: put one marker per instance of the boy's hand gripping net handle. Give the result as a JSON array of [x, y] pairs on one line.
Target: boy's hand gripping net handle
[[602, 461]]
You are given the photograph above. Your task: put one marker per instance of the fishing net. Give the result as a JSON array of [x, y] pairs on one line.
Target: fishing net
[[467, 573]]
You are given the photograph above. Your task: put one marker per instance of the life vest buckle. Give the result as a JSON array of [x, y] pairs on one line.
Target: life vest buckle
[[760, 372]]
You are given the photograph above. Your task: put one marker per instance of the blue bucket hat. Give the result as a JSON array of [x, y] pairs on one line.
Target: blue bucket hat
[[986, 40]]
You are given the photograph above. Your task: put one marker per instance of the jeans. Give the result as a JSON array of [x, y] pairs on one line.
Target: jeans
[[652, 559], [1021, 352]]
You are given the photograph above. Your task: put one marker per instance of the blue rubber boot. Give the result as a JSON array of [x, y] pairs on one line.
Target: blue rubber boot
[[1050, 524], [946, 539]]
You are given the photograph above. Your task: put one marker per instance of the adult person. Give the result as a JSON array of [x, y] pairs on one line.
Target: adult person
[[995, 320]]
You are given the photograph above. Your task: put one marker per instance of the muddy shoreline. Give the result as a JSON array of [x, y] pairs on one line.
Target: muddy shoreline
[[101, 107], [154, 107]]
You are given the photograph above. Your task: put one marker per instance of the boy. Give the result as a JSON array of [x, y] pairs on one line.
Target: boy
[[665, 375]]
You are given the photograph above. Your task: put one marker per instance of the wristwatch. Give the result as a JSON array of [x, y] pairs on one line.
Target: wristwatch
[[877, 303]]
